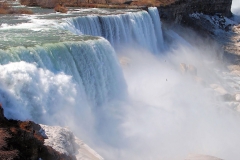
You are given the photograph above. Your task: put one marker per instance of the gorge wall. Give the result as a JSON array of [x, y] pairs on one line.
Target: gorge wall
[[180, 9], [169, 9]]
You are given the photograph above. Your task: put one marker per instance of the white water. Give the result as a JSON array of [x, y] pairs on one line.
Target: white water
[[157, 27], [92, 64], [165, 114]]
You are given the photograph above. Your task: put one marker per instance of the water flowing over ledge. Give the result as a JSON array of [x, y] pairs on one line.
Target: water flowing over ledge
[[148, 104], [140, 28], [91, 63], [48, 51]]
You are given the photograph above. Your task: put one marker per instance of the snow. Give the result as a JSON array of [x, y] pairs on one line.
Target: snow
[[196, 15], [63, 141], [217, 20]]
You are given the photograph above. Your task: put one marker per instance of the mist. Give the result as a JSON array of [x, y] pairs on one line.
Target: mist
[[236, 7], [178, 102], [171, 113], [236, 10], [174, 106]]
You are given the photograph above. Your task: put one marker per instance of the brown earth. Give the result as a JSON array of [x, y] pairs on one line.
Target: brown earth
[[96, 3], [6, 8], [171, 10]]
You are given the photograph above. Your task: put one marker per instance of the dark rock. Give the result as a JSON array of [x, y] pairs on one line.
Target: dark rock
[[60, 8], [2, 118], [182, 8], [28, 2], [228, 97], [24, 140]]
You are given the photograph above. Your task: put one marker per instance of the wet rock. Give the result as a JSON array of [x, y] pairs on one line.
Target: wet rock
[[41, 3], [124, 61], [223, 93], [219, 89], [199, 80], [48, 3], [188, 68], [237, 97], [233, 105], [228, 97], [2, 118], [183, 68], [60, 8], [180, 9], [238, 108], [192, 70]]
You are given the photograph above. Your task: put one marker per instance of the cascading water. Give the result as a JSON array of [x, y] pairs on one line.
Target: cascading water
[[91, 63], [140, 28], [157, 26], [57, 78]]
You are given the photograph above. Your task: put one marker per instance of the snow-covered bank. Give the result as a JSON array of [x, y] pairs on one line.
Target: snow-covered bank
[[63, 141]]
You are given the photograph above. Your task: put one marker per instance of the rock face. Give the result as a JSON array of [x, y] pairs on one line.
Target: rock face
[[178, 10], [74, 3], [171, 9], [24, 140], [41, 3]]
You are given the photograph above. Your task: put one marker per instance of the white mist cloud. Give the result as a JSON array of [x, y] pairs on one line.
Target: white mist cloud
[[236, 6], [31, 93], [170, 115], [236, 10], [167, 115]]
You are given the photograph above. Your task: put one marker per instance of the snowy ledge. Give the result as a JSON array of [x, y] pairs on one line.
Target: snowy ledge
[[63, 141]]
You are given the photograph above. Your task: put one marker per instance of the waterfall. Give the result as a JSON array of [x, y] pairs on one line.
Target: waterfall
[[153, 11], [66, 73], [38, 73], [140, 28], [55, 77], [48, 71], [92, 65]]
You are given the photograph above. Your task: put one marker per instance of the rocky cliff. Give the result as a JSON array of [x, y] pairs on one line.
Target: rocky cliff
[[169, 9], [180, 9], [70, 3]]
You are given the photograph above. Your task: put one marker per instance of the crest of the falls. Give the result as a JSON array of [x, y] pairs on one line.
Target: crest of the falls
[[138, 28]]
